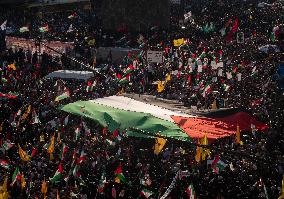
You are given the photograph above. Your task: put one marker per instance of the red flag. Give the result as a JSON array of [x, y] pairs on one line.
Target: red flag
[[119, 169], [234, 29], [113, 192], [115, 133], [34, 151], [254, 33], [217, 158], [178, 74], [221, 53], [131, 67], [118, 75], [104, 130], [166, 50], [60, 168], [228, 22], [189, 78], [235, 25]]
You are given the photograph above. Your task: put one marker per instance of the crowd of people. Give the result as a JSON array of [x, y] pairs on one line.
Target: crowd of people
[[47, 153]]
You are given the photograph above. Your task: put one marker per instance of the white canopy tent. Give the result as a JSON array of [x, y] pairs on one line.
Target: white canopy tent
[[71, 74], [268, 47]]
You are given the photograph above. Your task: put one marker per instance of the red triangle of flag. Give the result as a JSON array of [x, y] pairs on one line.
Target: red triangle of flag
[[119, 169]]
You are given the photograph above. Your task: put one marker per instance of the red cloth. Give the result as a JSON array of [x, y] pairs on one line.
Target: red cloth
[[115, 133], [118, 170], [9, 96], [118, 75], [214, 128], [234, 29]]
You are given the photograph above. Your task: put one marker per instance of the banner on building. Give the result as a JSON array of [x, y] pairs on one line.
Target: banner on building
[[154, 56], [29, 44]]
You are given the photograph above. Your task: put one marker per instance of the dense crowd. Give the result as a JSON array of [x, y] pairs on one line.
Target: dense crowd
[[207, 67]]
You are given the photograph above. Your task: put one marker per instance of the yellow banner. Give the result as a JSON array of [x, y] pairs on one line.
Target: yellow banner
[[178, 42]]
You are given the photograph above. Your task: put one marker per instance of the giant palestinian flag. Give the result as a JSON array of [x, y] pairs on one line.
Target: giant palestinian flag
[[218, 124], [145, 120], [137, 118]]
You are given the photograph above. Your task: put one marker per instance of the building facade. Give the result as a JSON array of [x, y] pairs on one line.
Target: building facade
[[135, 15]]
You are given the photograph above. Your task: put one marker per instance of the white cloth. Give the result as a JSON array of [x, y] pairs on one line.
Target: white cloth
[[239, 76], [220, 72]]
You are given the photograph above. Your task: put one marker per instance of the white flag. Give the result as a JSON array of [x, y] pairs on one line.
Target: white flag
[[70, 29], [220, 65], [220, 72], [199, 69], [239, 76], [214, 65], [229, 75], [66, 120], [4, 25]]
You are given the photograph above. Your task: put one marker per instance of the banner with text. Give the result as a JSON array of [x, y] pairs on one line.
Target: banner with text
[[29, 44], [154, 56]]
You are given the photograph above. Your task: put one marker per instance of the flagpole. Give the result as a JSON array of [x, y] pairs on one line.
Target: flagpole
[[96, 194]]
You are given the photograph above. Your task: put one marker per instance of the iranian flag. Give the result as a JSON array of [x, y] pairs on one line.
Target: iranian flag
[[102, 183], [206, 90], [7, 145], [64, 95], [44, 28], [16, 176], [82, 157], [191, 192], [146, 193], [119, 177], [24, 29], [4, 164], [57, 176]]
